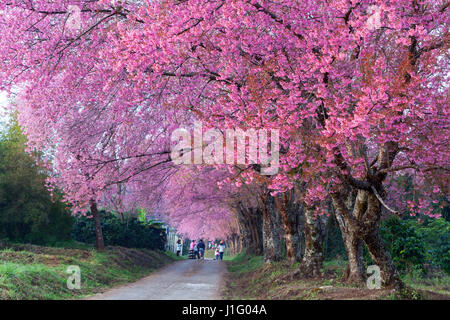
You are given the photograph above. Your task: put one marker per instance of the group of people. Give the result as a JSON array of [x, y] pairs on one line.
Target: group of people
[[197, 249]]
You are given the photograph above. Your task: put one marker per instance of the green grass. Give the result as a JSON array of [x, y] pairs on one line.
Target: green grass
[[40, 273], [334, 263], [243, 263], [72, 244], [438, 283], [251, 279], [210, 254], [69, 244], [174, 256]]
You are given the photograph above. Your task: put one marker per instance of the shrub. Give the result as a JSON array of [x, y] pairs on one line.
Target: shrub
[[405, 244], [28, 212], [333, 247], [130, 233], [436, 234]]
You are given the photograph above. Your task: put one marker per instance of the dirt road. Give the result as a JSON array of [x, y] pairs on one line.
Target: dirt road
[[186, 279]]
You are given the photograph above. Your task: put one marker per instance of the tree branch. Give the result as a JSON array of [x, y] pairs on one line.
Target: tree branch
[[382, 202]]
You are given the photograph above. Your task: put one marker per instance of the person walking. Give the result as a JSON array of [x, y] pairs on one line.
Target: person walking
[[221, 249], [201, 249], [196, 250], [193, 243], [217, 254], [179, 246], [191, 250]]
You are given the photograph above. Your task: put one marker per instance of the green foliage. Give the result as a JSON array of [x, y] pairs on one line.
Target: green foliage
[[141, 215], [27, 211], [186, 246], [413, 244], [405, 244], [142, 218], [436, 235], [130, 233], [407, 294], [446, 213], [333, 246]]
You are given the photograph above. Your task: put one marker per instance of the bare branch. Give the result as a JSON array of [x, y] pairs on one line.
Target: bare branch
[[382, 202]]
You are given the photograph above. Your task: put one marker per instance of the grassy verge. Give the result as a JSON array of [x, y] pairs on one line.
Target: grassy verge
[[210, 254], [36, 272], [174, 256], [249, 278], [438, 284]]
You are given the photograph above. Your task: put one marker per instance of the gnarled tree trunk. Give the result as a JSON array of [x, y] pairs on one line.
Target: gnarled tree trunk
[[380, 256], [250, 228], [314, 236], [293, 218], [355, 268], [256, 222], [364, 223], [244, 229], [351, 236], [271, 236]]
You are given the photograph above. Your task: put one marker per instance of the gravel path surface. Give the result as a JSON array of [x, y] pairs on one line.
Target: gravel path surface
[[186, 279]]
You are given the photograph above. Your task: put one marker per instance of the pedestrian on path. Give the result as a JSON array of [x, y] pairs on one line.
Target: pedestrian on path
[[201, 249], [217, 254], [196, 251], [179, 246], [221, 249], [192, 253]]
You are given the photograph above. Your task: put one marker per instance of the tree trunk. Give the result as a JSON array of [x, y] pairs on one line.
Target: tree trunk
[[271, 237], [232, 242], [291, 214], [235, 243], [354, 272], [355, 268], [98, 226], [244, 229], [256, 220], [249, 221], [238, 244], [364, 223], [314, 237], [380, 256]]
